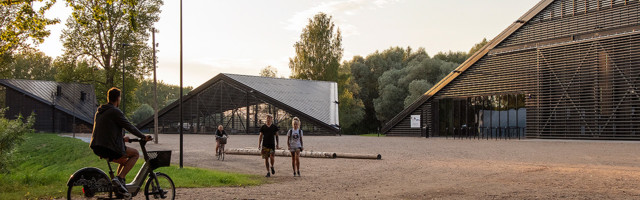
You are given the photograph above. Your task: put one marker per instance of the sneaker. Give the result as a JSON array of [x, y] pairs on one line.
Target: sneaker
[[268, 175], [119, 187], [273, 171], [298, 173], [294, 174], [122, 180]]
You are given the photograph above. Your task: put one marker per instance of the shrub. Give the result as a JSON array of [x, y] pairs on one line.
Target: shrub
[[12, 134]]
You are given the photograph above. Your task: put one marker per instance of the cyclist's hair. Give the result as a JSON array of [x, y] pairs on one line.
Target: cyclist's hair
[[113, 94], [294, 120]]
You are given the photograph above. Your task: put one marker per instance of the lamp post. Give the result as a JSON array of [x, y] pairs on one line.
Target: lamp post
[[180, 103], [155, 88]]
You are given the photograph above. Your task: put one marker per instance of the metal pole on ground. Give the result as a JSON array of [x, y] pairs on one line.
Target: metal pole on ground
[[180, 103]]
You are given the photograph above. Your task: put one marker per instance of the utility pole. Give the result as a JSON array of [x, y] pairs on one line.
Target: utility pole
[[155, 88]]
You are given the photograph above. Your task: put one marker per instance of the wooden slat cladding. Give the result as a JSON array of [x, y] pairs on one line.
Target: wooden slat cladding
[[580, 72], [558, 20]]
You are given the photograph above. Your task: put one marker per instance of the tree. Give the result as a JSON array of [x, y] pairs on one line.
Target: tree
[[143, 112], [476, 47], [269, 71], [22, 26], [166, 93], [31, 65], [319, 51], [351, 109], [454, 57], [97, 31]]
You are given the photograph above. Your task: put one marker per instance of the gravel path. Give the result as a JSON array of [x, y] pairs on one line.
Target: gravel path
[[426, 168]]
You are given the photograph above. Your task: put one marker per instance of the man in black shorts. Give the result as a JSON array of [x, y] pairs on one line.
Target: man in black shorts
[[269, 132], [107, 139]]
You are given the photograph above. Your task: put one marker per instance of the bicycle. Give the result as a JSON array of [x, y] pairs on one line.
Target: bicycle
[[220, 153], [94, 183]]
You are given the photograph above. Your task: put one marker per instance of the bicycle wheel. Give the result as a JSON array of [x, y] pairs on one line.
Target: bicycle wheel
[[82, 192], [159, 186], [222, 152], [218, 153]]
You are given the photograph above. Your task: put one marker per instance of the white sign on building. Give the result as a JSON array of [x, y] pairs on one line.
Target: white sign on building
[[415, 121]]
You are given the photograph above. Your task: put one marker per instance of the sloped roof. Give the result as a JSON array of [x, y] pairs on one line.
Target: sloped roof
[[468, 63], [314, 98], [69, 101]]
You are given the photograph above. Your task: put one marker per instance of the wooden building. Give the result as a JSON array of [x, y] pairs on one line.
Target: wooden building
[[565, 69], [59, 107], [240, 103]]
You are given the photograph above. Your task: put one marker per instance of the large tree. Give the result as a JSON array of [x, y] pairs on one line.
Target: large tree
[[104, 32], [319, 51], [31, 65], [22, 26]]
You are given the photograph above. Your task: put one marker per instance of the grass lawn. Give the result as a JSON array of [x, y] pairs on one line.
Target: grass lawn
[[372, 135], [45, 162]]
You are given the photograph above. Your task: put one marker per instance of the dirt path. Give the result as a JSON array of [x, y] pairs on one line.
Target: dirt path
[[421, 168]]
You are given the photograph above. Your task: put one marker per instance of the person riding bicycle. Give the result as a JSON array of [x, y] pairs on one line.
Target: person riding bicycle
[[219, 133], [107, 138]]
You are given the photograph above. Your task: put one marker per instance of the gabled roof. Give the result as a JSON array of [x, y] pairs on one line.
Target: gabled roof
[[68, 101], [313, 99], [468, 63]]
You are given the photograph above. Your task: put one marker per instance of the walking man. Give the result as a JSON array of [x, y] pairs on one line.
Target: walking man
[[269, 133]]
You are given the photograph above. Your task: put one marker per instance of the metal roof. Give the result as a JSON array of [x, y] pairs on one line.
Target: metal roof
[[68, 101], [318, 99], [468, 63]]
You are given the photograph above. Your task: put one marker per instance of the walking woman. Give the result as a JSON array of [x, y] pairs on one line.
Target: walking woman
[[294, 141]]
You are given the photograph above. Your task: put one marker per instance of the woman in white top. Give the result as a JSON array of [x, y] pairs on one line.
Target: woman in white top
[[294, 141]]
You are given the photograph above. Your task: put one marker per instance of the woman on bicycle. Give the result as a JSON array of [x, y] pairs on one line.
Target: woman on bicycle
[[219, 133], [294, 141]]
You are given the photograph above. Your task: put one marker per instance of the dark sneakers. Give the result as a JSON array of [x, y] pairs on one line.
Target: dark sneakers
[[120, 188], [268, 175], [273, 171], [298, 173]]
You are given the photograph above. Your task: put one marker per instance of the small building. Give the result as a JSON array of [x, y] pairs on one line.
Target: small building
[[566, 69], [59, 107], [241, 103]]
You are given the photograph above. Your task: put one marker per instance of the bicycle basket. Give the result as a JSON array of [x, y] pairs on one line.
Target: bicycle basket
[[223, 140], [159, 159]]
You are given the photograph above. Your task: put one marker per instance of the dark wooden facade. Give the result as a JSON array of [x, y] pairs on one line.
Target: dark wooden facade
[[48, 117], [571, 68]]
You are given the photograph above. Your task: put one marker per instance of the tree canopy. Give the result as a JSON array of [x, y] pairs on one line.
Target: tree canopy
[[103, 33], [269, 71], [22, 26], [319, 51]]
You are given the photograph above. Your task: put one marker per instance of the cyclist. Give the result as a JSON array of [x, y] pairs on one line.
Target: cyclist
[[219, 133], [107, 139]]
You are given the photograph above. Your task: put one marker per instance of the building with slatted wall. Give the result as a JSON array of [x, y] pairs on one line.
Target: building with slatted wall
[[565, 69], [241, 103], [58, 107]]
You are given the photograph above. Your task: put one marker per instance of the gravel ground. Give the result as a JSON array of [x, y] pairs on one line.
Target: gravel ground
[[425, 168]]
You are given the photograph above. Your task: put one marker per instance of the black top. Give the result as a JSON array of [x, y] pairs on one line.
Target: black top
[[107, 128], [268, 135], [220, 133]]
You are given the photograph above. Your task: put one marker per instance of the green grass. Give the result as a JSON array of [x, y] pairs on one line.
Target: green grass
[[372, 135], [45, 162]]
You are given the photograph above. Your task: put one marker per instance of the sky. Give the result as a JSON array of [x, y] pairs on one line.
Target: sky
[[242, 37]]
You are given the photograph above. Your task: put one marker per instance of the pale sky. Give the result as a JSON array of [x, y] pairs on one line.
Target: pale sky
[[242, 37]]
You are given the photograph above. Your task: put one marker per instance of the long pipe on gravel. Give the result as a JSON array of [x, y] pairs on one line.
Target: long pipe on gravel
[[310, 154]]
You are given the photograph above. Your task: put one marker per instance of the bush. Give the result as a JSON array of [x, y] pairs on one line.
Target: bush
[[12, 134]]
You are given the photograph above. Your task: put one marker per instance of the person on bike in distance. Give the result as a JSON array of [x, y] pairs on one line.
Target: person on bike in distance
[[107, 138], [219, 133]]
